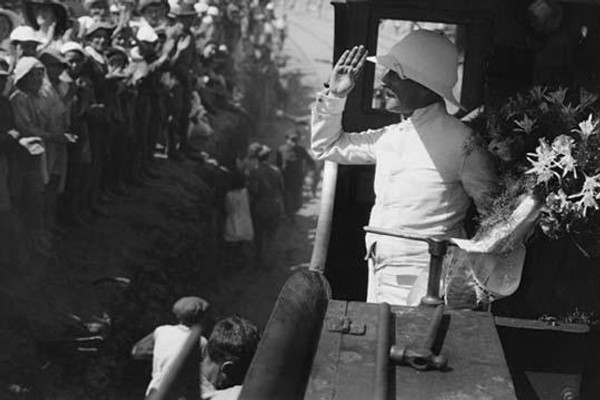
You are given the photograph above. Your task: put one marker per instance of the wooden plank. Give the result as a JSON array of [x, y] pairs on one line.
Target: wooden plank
[[477, 367]]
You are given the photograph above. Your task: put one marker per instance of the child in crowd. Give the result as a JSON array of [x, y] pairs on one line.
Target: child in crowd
[[238, 232], [166, 341], [28, 172], [11, 144]]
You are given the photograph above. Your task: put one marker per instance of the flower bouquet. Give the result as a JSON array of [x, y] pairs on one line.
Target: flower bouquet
[[548, 147]]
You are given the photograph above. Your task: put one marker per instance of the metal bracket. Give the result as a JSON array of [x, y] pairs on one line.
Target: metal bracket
[[346, 326]]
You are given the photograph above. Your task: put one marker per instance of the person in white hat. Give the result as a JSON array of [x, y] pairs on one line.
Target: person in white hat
[[25, 42], [427, 169]]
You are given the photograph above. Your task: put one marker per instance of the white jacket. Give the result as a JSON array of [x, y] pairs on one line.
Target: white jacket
[[427, 169]]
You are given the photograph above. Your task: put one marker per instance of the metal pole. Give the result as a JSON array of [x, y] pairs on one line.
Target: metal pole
[[382, 356], [319, 254]]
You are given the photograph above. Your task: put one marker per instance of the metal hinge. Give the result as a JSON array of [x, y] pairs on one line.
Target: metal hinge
[[346, 326]]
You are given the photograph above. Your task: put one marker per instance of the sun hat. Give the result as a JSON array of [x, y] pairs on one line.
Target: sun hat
[[12, 17], [182, 10], [24, 66], [52, 56], [188, 309], [97, 26], [24, 33], [146, 34], [71, 46], [201, 8], [60, 9], [145, 3], [426, 57], [213, 11]]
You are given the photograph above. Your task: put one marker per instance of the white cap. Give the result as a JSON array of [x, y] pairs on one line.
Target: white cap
[[270, 6], [146, 34], [201, 8], [71, 46], [213, 11], [24, 33], [426, 57]]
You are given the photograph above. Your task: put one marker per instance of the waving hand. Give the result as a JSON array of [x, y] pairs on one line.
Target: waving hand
[[346, 70]]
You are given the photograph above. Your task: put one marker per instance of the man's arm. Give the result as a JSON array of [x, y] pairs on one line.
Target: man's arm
[[330, 142], [143, 349]]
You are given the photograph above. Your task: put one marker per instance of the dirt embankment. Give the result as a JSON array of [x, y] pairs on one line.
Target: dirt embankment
[[70, 318]]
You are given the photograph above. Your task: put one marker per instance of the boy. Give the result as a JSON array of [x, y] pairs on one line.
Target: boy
[[166, 341]]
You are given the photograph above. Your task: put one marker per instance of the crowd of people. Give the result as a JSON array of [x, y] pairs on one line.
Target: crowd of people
[[262, 193], [92, 93]]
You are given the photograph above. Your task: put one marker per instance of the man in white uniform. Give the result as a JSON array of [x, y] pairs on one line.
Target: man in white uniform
[[427, 168]]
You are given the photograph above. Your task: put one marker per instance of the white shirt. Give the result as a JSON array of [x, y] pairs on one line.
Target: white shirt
[[427, 168], [168, 342]]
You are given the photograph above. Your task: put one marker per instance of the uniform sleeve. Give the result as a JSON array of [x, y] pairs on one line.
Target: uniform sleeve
[[479, 177], [330, 142]]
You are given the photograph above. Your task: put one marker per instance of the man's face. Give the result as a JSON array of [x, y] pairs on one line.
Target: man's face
[[44, 14], [75, 60], [5, 27], [99, 10], [99, 40], [154, 14], [402, 96]]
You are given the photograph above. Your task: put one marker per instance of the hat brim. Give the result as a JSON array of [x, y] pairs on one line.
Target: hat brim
[[62, 15], [391, 63], [14, 19]]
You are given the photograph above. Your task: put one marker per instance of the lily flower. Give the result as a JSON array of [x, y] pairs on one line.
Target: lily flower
[[587, 127], [526, 124], [558, 96], [562, 145], [546, 160], [588, 195]]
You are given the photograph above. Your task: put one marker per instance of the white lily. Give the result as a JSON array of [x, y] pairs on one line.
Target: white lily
[[587, 127]]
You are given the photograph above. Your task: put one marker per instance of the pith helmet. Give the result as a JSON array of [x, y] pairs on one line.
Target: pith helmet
[[426, 57]]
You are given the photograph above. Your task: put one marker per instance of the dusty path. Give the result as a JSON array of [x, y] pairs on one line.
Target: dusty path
[[251, 292]]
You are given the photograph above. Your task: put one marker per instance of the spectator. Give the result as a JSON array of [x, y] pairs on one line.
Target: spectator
[[163, 345], [239, 231], [294, 161], [78, 196], [54, 107], [24, 42], [230, 349], [28, 173], [266, 188], [153, 12], [10, 140], [49, 19], [97, 11]]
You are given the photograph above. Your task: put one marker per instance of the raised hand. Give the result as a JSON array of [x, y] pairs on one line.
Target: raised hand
[[346, 70]]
